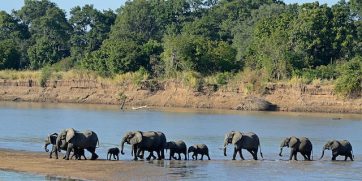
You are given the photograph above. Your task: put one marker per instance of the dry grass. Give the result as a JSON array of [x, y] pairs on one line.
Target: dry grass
[[19, 75]]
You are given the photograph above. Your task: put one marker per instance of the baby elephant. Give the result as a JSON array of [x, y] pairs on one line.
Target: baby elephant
[[114, 152], [199, 149], [302, 145], [78, 153], [176, 147], [343, 148]]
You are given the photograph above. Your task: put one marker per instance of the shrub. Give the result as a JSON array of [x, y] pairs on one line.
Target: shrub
[[193, 80], [349, 83], [45, 75]]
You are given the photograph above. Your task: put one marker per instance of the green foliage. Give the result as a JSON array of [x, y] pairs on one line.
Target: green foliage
[[45, 75], [327, 72], [349, 83], [193, 80], [9, 55], [90, 29]]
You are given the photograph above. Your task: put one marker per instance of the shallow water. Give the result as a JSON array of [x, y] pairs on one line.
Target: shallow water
[[24, 126]]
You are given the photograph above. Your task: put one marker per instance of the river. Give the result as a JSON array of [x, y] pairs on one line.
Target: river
[[24, 126]]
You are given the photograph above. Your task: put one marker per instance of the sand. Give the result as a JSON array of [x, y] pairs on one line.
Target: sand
[[40, 163]]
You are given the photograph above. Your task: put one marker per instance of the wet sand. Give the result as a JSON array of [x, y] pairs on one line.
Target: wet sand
[[39, 163]]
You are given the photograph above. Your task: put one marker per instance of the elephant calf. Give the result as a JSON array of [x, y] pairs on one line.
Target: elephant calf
[[201, 149], [78, 153], [176, 147], [342, 147], [302, 145], [113, 151]]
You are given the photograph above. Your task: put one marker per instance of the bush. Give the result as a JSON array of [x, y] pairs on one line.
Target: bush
[[45, 75], [349, 83], [193, 80]]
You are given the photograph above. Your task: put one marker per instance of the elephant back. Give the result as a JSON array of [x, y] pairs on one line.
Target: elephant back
[[346, 146], [86, 139], [249, 140], [181, 145], [305, 144]]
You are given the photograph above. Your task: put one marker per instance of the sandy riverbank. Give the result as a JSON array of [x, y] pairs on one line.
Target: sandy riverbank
[[39, 163], [281, 97]]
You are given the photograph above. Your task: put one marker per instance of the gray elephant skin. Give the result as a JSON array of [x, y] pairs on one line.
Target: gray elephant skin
[[339, 148], [145, 141], [80, 140], [302, 145], [197, 149], [249, 141], [178, 147]]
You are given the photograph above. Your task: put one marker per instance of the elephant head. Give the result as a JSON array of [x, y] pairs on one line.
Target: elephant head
[[330, 145], [65, 137], [132, 138], [170, 145], [51, 139], [288, 142], [231, 138], [191, 149]]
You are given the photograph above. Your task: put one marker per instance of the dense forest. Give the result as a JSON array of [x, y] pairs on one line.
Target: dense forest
[[161, 38]]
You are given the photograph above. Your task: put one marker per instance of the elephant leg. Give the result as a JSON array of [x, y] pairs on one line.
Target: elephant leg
[[158, 155], [241, 154], [185, 156], [345, 158], [195, 155], [253, 154], [117, 157], [179, 156], [93, 151], [202, 157], [351, 156], [291, 154], [69, 149], [334, 156], [149, 156], [234, 154], [170, 155], [208, 157], [136, 152]]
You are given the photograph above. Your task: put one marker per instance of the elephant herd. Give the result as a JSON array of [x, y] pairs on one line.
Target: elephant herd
[[74, 141]]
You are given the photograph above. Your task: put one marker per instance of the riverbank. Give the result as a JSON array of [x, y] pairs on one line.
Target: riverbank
[[39, 163], [274, 96]]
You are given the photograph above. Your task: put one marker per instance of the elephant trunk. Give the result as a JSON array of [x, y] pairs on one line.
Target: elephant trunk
[[281, 150], [322, 153], [225, 144], [46, 147], [122, 146]]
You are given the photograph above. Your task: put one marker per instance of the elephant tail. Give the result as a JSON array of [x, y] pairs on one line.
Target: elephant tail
[[97, 144], [261, 154]]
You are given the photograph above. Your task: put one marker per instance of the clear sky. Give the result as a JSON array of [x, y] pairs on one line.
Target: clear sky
[[9, 5]]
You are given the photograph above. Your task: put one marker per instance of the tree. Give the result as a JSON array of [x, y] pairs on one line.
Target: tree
[[9, 55], [312, 34], [90, 29], [13, 35], [50, 32]]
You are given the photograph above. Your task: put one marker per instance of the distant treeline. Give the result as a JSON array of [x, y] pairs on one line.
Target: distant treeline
[[163, 37]]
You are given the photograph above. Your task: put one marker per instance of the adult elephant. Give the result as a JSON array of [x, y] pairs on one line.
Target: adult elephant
[[145, 141], [249, 141], [342, 147], [80, 140], [302, 145]]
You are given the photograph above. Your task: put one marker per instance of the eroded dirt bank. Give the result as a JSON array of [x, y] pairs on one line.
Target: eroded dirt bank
[[39, 163], [305, 98]]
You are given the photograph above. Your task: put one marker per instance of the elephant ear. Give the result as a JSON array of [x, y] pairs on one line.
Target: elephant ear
[[335, 144], [236, 137], [293, 141], [70, 134], [137, 138]]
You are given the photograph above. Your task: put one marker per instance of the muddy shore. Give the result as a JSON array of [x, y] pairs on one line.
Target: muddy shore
[[275, 97], [39, 163]]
